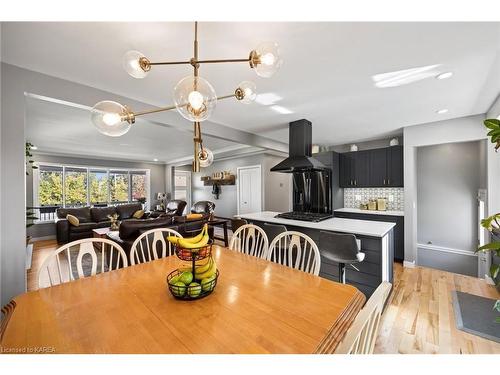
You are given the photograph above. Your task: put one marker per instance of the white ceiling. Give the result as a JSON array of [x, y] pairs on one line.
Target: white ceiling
[[61, 129], [326, 75]]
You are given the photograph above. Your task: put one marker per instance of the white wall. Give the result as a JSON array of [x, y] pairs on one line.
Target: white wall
[[463, 129]]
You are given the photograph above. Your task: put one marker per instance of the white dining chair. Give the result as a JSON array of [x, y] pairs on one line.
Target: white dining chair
[[296, 250], [250, 239], [145, 247], [67, 262], [362, 335]]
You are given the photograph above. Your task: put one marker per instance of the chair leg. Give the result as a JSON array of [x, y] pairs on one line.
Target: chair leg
[[342, 273]]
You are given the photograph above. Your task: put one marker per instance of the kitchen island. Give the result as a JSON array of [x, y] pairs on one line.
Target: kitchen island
[[377, 242]]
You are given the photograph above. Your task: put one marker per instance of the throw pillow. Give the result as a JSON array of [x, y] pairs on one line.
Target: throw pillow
[[194, 216], [73, 220], [138, 214]]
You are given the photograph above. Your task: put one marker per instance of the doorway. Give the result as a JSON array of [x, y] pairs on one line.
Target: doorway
[[249, 189], [182, 187], [450, 179]]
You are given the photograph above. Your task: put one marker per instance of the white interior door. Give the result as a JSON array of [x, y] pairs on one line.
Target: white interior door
[[249, 186], [182, 187]]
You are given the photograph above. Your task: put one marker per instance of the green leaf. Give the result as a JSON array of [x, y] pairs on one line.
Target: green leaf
[[492, 123], [489, 246], [497, 305], [494, 270]]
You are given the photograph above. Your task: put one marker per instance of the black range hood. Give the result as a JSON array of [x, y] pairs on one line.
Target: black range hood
[[300, 150]]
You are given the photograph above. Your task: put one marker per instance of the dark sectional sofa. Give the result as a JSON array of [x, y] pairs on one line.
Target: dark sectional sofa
[[97, 217], [131, 228]]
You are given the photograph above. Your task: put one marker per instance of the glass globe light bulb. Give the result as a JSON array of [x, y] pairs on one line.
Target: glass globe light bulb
[[206, 157], [268, 59], [195, 98], [132, 64], [248, 90], [110, 118]]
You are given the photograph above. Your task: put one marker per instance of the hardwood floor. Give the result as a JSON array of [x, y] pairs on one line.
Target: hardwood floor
[[419, 316]]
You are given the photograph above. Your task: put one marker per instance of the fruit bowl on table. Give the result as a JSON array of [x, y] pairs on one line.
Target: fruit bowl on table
[[196, 253], [195, 289]]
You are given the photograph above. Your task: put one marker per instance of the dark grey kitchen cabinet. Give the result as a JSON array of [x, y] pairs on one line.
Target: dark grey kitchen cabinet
[[399, 229], [395, 171], [355, 169], [378, 167], [382, 167]]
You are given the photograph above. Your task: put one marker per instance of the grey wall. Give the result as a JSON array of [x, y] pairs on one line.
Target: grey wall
[[462, 129], [367, 145], [275, 186], [448, 177], [157, 182]]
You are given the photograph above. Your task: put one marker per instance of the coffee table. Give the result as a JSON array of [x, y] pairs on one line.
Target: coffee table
[[100, 233]]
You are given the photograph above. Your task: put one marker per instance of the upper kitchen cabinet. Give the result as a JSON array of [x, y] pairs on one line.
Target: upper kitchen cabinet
[[382, 167], [395, 172], [355, 169]]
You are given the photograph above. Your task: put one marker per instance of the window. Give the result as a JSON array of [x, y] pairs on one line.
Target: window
[[73, 186], [118, 183], [98, 186], [138, 182], [50, 189]]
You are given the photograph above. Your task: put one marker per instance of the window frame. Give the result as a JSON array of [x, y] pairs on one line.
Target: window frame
[[89, 168]]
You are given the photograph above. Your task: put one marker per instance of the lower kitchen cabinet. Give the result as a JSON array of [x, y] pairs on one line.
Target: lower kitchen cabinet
[[399, 229]]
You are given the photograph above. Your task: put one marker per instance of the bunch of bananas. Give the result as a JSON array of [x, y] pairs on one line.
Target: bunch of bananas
[[192, 243]]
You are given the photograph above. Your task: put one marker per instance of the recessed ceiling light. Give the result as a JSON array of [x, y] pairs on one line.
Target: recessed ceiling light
[[268, 98], [404, 77], [155, 159], [444, 75], [34, 148], [442, 111], [281, 109]]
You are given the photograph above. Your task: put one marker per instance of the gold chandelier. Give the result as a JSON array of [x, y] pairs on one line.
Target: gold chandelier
[[194, 97]]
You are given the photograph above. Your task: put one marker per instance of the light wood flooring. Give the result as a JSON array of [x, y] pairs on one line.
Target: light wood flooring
[[419, 316]]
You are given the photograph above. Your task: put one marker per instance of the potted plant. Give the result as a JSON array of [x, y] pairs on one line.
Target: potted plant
[[29, 161], [492, 223]]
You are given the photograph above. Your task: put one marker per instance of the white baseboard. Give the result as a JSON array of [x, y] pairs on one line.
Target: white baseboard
[[446, 249], [44, 238], [407, 264]]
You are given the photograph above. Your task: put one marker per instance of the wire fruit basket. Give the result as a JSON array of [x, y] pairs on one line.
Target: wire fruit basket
[[193, 291], [187, 284]]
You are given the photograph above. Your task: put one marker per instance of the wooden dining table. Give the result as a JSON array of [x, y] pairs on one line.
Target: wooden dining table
[[257, 307]]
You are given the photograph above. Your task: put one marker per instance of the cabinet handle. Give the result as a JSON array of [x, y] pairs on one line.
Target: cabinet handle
[[388, 181], [355, 183], [384, 181]]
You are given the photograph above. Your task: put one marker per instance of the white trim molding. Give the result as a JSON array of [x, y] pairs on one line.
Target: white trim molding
[[407, 264], [446, 249]]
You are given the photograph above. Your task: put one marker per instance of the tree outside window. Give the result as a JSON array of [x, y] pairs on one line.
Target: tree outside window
[[98, 181], [118, 186], [138, 186], [75, 187]]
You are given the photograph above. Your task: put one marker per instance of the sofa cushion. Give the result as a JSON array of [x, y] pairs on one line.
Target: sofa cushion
[[101, 213], [73, 220], [82, 213], [125, 211], [138, 214]]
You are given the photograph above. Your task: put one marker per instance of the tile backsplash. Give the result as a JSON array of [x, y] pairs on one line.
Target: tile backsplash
[[354, 197]]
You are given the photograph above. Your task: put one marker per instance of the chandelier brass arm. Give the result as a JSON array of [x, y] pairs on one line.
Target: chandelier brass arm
[[130, 116]]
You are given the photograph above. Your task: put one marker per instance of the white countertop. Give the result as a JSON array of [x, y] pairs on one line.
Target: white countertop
[[336, 224], [370, 212]]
